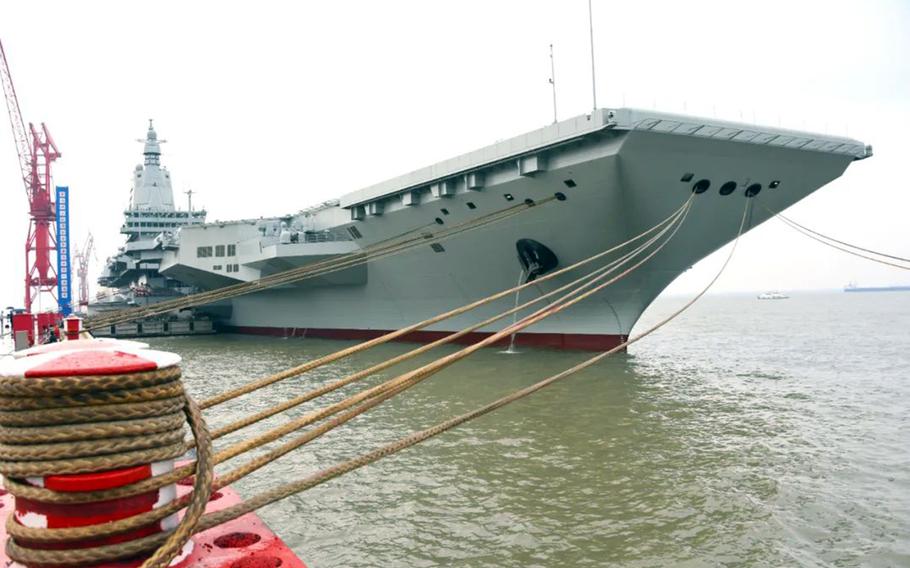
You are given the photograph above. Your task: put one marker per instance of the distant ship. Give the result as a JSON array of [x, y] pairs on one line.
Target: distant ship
[[772, 296], [852, 287], [604, 176]]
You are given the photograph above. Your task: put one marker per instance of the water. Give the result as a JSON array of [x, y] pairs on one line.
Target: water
[[755, 433]]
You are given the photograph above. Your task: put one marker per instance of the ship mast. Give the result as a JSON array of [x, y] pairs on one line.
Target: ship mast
[[553, 82], [593, 78]]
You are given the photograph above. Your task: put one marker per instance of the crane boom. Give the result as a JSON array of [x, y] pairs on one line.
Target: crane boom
[[37, 152], [82, 258], [20, 134]]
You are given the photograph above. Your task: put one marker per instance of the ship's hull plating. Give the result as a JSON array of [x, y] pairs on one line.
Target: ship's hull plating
[[621, 184]]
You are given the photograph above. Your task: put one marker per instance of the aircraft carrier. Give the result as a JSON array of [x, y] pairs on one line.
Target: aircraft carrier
[[614, 173]]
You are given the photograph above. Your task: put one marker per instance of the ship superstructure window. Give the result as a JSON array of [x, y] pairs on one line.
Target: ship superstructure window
[[218, 267], [203, 252], [219, 250], [232, 250], [233, 268]]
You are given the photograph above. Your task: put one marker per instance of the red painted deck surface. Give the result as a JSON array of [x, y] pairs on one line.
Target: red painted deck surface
[[243, 543]]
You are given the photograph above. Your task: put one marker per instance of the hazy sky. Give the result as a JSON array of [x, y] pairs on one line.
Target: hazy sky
[[272, 106]]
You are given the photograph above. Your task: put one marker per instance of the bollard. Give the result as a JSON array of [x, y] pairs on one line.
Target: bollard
[[85, 361], [23, 330], [73, 327]]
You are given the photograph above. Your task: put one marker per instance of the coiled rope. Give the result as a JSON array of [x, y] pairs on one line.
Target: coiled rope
[[67, 425]]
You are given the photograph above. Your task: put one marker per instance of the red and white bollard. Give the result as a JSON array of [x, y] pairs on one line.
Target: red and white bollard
[[83, 361], [245, 542]]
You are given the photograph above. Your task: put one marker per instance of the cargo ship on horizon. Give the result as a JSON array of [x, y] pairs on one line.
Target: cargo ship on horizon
[[854, 287], [614, 173]]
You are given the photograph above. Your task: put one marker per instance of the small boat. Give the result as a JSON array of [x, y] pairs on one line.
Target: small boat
[[773, 296]]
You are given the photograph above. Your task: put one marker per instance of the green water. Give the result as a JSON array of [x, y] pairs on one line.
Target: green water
[[746, 433]]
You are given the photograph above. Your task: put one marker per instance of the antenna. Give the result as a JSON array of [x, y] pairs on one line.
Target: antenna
[[593, 79], [189, 199], [553, 82]]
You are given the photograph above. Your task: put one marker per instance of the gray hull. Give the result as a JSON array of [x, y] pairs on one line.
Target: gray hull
[[618, 180]]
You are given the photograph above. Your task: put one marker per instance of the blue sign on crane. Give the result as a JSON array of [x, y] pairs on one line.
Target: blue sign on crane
[[64, 270]]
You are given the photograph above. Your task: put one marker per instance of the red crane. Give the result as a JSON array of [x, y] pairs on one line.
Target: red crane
[[82, 258], [37, 151]]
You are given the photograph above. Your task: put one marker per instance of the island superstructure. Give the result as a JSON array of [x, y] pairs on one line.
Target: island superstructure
[[614, 173], [151, 224]]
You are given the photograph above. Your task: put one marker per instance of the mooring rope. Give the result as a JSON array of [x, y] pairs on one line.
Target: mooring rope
[[67, 425], [57, 397], [288, 489], [378, 250], [411, 378], [332, 357], [834, 243], [46, 495], [378, 394], [337, 384], [245, 446], [372, 253], [416, 376]]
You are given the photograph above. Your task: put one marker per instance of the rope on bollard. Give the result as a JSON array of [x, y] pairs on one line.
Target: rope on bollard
[[61, 425]]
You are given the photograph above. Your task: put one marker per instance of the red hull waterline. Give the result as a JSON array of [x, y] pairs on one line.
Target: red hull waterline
[[569, 341]]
